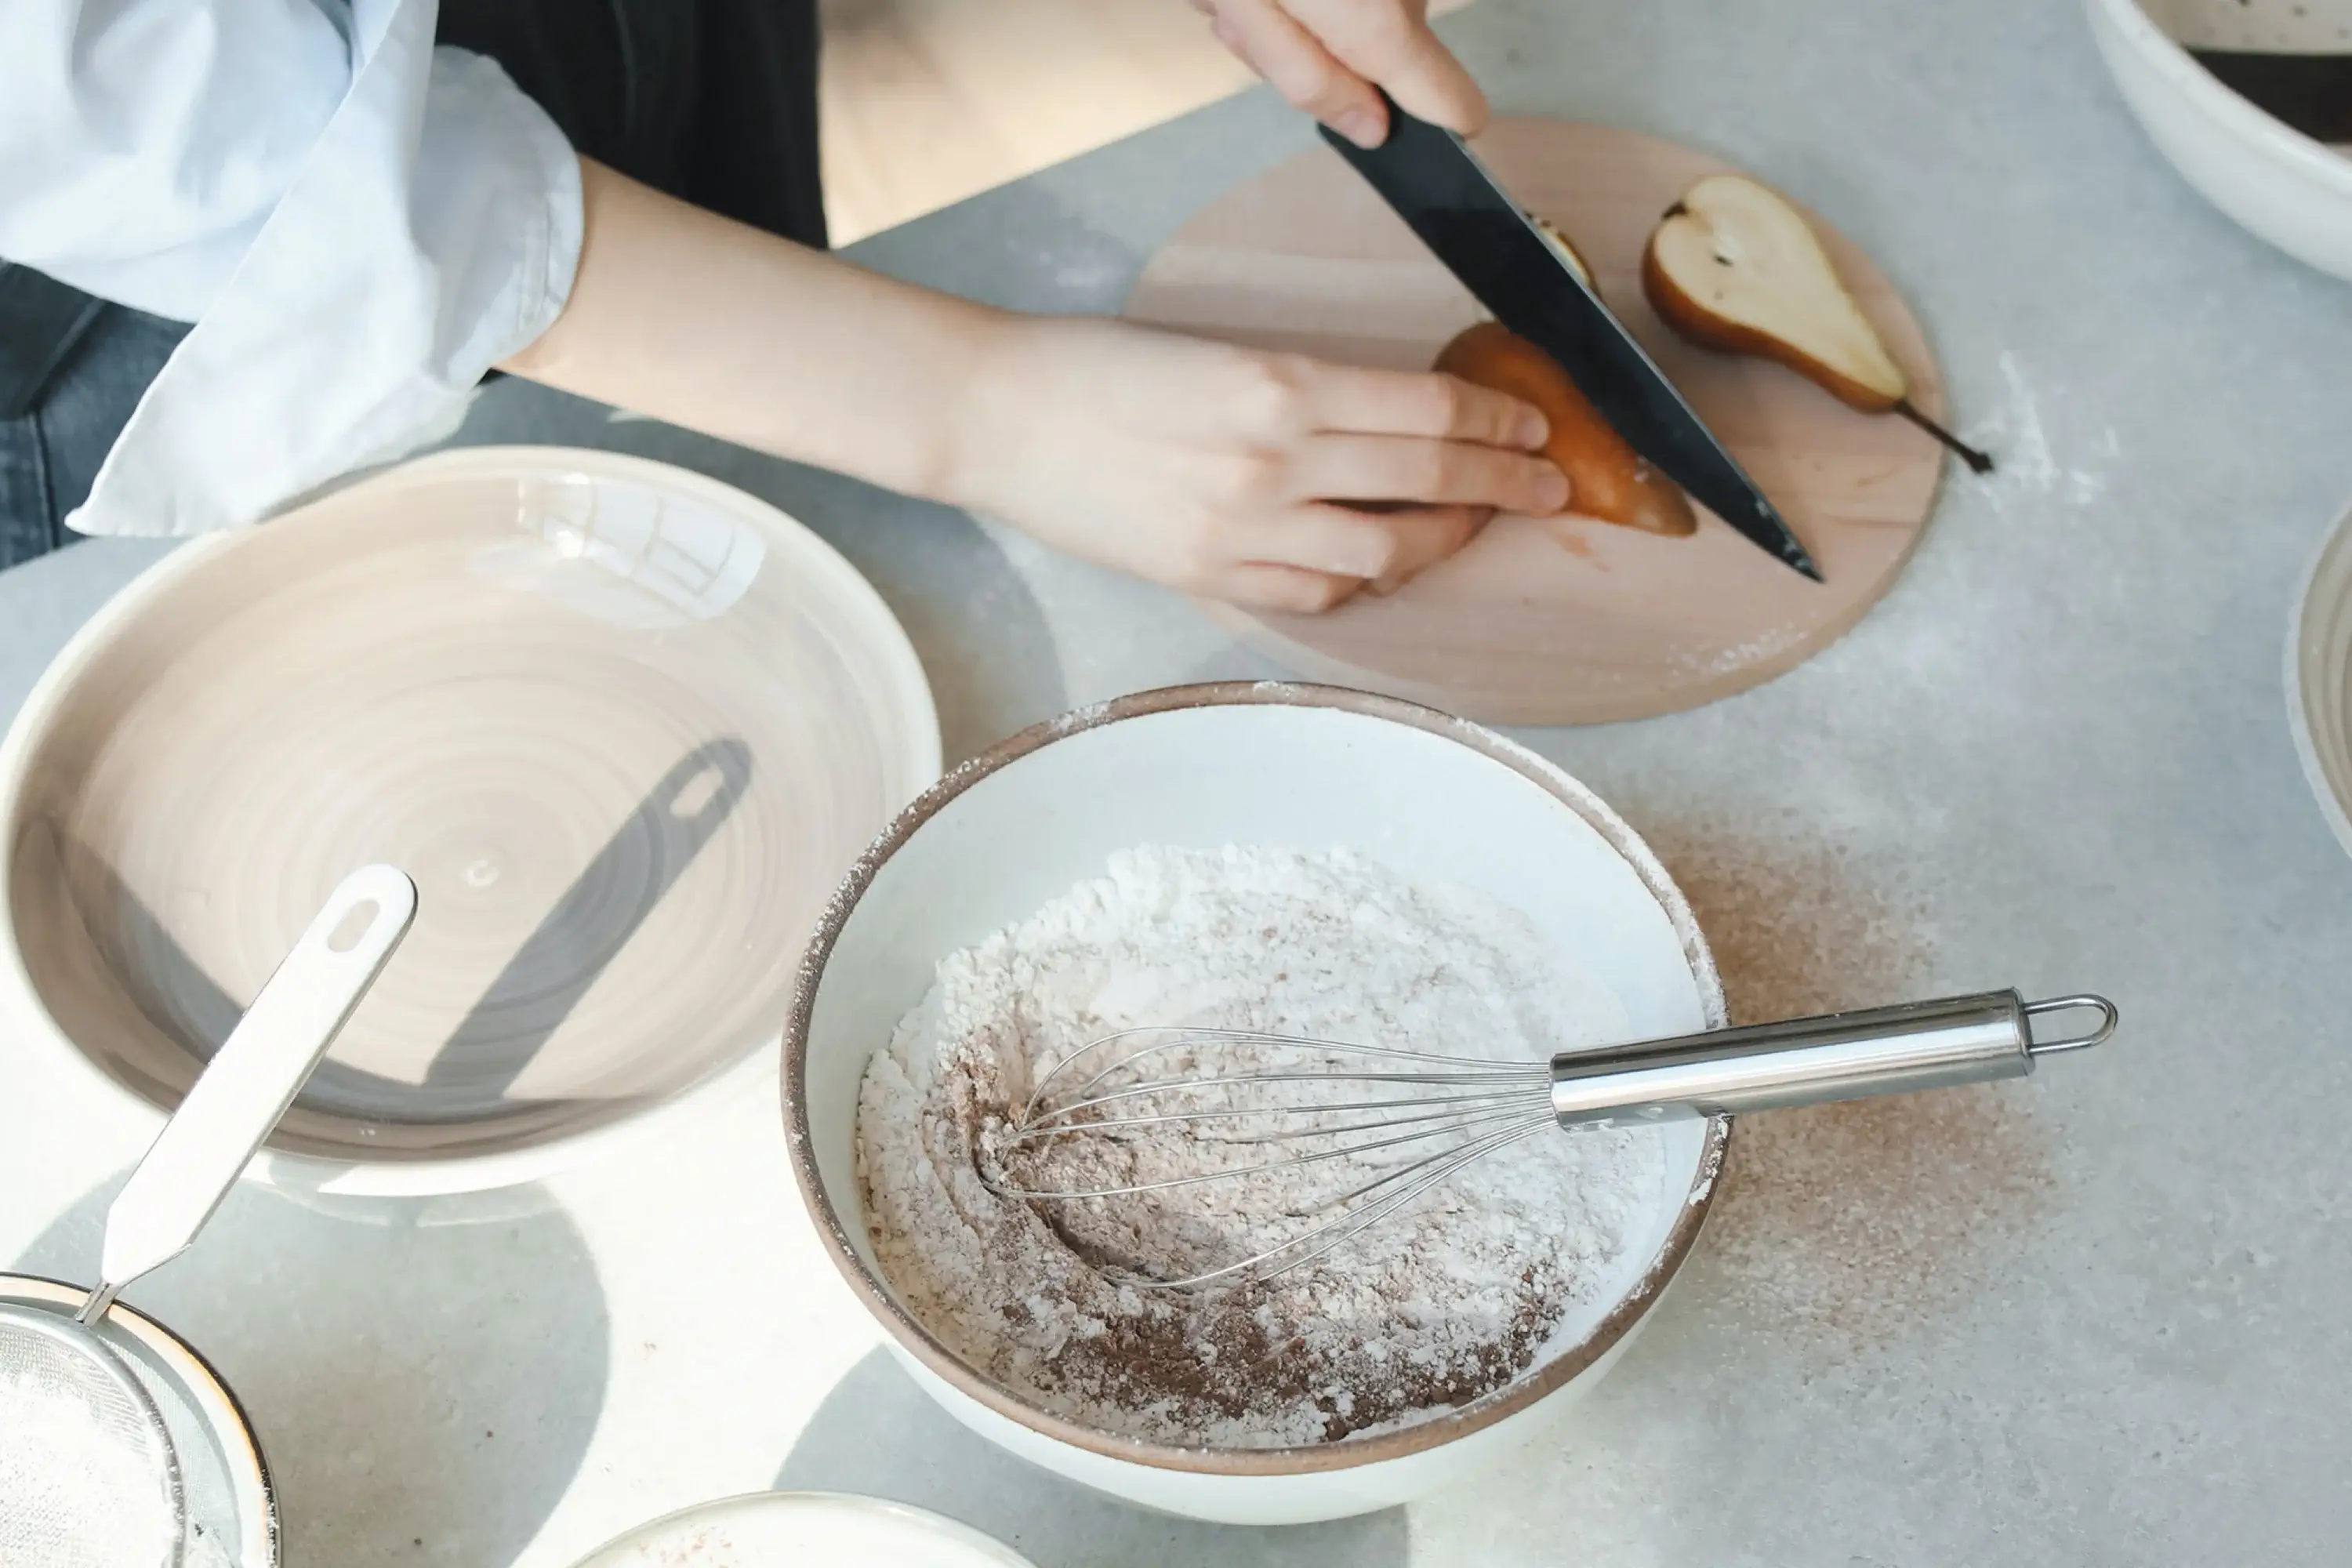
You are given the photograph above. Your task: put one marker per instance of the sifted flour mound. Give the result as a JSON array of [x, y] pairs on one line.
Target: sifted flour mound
[[1433, 1307]]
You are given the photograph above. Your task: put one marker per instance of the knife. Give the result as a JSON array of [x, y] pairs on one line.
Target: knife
[[1447, 197]]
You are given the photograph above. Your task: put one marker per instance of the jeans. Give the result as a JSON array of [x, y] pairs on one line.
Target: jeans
[[49, 455], [713, 101]]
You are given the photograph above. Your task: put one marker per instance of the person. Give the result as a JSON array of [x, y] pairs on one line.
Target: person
[[363, 206]]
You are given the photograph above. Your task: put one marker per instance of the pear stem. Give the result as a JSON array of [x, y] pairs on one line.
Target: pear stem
[[1977, 462]]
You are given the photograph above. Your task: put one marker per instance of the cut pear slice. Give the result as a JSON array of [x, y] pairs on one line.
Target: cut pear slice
[[1734, 267], [1565, 248]]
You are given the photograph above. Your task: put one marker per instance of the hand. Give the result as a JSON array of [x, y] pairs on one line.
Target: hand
[[1326, 56], [1233, 473]]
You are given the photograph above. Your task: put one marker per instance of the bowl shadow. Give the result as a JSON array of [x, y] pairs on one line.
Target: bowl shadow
[[881, 1435]]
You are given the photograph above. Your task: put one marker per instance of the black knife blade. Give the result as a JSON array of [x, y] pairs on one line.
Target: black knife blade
[[1459, 210]]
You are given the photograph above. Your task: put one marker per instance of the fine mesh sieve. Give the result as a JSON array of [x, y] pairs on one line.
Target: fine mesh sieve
[[88, 1472]]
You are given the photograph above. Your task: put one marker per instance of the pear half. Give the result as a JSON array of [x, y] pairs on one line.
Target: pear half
[[1607, 478], [1735, 268]]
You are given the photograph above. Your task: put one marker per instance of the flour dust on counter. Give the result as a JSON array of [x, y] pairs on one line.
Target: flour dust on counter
[[1433, 1307]]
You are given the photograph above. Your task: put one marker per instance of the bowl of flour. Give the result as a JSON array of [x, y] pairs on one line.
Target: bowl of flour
[[1275, 857]]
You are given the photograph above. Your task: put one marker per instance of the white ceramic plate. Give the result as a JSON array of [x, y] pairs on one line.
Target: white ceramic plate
[[2319, 678], [623, 726], [803, 1529]]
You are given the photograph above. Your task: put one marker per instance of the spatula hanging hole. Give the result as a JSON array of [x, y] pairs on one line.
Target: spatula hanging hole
[[353, 926]]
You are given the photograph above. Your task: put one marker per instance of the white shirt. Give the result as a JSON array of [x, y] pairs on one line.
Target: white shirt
[[358, 223]]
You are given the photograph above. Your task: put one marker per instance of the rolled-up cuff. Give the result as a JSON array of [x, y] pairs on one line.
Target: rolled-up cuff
[[435, 231]]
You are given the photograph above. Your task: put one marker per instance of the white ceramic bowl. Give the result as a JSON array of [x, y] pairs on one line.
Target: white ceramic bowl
[[623, 725], [1435, 797], [2319, 678], [802, 1529], [2280, 183]]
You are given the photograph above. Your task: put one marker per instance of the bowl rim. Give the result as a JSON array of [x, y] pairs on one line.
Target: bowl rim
[[2335, 805], [937, 1526], [1520, 1393], [2235, 116], [440, 1175]]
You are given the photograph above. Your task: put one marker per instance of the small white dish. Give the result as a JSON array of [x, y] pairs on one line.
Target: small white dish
[[2319, 678], [623, 726], [790, 1530], [1433, 797], [2289, 189]]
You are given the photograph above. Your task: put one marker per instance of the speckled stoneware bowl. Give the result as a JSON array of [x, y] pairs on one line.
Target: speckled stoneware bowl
[[2282, 185], [2319, 678], [1435, 797], [623, 725]]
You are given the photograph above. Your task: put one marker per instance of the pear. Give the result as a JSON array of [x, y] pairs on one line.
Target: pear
[[1565, 248], [1734, 267], [1607, 478]]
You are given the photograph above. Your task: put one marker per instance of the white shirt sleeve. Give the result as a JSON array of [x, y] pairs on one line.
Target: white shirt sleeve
[[359, 223]]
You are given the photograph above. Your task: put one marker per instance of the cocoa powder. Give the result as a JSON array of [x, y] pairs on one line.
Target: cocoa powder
[[1855, 1223]]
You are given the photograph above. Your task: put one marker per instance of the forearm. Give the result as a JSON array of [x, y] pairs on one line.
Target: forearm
[[708, 323]]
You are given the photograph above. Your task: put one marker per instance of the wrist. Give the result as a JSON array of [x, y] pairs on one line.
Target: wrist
[[989, 413]]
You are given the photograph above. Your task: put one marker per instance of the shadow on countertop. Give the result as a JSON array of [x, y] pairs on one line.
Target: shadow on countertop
[[423, 1375], [879, 1435]]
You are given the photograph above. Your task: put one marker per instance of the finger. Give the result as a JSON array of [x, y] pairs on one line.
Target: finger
[[1391, 44], [1258, 585], [1429, 535], [1421, 403], [1423, 469], [1302, 70], [1335, 540]]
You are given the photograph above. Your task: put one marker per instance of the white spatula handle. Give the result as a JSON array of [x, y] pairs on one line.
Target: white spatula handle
[[253, 1078]]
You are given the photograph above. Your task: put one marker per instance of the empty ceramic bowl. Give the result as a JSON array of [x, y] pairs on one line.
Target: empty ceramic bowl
[[2319, 678], [623, 726], [2290, 188], [802, 1529], [1436, 798]]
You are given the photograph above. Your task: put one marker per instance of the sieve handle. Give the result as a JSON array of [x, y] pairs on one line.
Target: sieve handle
[[253, 1078], [1809, 1061]]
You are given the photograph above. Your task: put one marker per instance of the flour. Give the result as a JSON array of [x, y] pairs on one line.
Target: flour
[[1436, 1306], [69, 1481]]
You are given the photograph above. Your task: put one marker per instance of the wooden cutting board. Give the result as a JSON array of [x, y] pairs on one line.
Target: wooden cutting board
[[1565, 621]]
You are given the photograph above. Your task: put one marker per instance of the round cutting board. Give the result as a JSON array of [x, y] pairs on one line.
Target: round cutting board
[[1565, 620]]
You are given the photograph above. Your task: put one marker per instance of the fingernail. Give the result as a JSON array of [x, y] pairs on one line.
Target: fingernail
[[1534, 429], [1552, 490], [1362, 126]]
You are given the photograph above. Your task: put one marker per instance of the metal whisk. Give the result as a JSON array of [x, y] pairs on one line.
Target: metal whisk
[[1420, 1117]]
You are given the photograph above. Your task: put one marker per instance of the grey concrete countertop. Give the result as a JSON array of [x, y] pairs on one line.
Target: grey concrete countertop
[[2096, 1319]]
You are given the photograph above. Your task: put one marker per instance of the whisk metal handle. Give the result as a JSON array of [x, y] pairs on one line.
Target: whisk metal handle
[[1808, 1061]]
